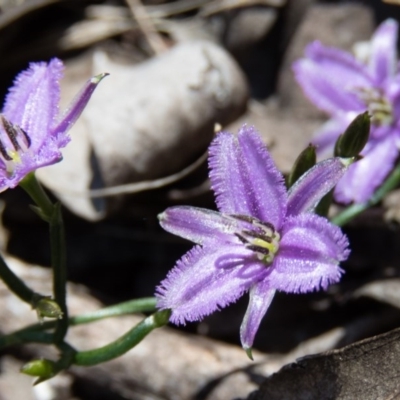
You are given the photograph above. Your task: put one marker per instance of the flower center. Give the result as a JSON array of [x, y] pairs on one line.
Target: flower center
[[262, 238], [13, 142], [378, 105]]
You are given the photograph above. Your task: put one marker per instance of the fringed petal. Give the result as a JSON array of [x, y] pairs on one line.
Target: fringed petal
[[32, 103], [310, 251], [245, 179], [306, 193], [261, 296], [200, 225], [206, 279]]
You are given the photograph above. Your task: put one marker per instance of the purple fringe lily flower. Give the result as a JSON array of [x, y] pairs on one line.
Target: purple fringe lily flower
[[264, 238], [31, 131], [343, 86]]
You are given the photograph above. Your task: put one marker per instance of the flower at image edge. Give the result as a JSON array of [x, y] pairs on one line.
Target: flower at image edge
[[31, 130], [344, 86], [263, 238]]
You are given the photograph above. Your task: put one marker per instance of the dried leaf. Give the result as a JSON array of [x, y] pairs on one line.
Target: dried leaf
[[367, 370]]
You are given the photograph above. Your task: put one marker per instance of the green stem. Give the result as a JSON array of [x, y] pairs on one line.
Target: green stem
[[22, 336], [146, 304], [58, 260], [67, 356], [102, 354], [352, 211], [52, 214], [124, 343], [16, 285], [31, 185]]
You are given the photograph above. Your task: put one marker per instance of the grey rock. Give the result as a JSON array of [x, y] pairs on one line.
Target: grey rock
[[146, 121], [248, 27]]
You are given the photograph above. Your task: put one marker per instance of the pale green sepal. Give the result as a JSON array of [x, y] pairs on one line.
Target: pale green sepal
[[305, 161], [46, 307], [249, 352], [347, 161], [98, 78], [355, 137], [323, 206], [43, 369]]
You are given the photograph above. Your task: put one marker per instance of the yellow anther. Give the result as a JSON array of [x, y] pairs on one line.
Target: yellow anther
[[262, 243], [15, 156]]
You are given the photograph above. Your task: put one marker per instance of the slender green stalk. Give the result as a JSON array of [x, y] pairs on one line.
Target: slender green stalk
[[22, 336], [52, 214], [67, 356], [16, 285], [124, 343], [31, 185], [108, 352], [58, 261], [146, 304], [352, 211]]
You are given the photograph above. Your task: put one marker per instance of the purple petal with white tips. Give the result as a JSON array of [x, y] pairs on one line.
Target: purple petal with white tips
[[310, 251], [244, 177], [331, 77], [225, 176], [206, 279], [261, 296], [306, 193], [29, 134], [74, 110], [200, 225], [379, 159], [32, 103], [261, 177], [383, 59]]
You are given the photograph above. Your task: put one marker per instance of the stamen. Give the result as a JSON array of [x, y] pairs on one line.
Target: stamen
[[11, 132], [258, 249], [263, 240], [267, 225], [246, 218], [3, 152], [28, 141], [377, 104], [256, 235], [241, 238], [254, 221]]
